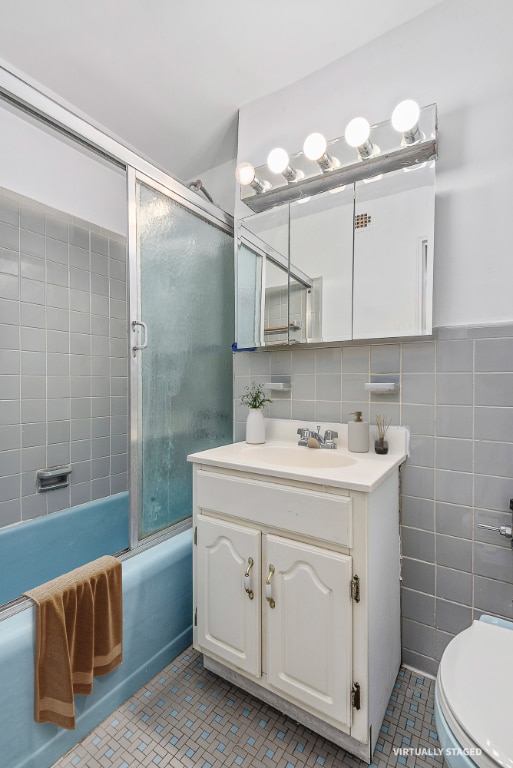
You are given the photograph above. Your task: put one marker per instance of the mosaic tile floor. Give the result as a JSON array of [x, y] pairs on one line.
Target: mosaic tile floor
[[187, 717]]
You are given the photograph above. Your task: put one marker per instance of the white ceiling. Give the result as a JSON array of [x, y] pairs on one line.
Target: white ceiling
[[168, 76]]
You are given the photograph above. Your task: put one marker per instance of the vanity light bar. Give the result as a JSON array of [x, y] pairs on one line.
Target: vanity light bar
[[374, 166], [358, 157]]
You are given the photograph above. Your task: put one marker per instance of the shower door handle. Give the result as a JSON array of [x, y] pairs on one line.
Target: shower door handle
[[135, 347]]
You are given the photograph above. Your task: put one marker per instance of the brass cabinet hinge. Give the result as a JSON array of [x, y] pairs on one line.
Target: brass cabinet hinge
[[355, 588], [196, 535], [355, 696]]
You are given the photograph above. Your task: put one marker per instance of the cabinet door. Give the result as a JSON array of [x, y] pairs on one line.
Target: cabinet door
[[309, 640], [229, 618]]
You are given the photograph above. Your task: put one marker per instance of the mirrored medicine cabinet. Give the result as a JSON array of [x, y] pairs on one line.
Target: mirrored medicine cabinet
[[348, 258]]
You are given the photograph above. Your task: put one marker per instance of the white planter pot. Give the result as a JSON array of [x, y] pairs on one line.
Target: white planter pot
[[255, 426]]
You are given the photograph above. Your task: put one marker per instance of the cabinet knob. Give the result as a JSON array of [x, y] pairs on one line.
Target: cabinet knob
[[268, 588], [247, 579]]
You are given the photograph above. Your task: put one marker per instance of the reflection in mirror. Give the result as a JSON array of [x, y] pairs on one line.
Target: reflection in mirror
[[272, 229], [393, 254], [262, 261], [301, 292], [248, 295], [321, 245], [278, 303]]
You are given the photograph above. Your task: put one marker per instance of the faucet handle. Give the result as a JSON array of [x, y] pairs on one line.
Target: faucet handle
[[330, 434], [304, 434]]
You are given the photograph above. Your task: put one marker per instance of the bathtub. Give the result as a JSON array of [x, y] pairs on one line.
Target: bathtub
[[46, 547], [157, 626]]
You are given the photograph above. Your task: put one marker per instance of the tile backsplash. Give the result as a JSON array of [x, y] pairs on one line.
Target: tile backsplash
[[63, 358], [456, 396]]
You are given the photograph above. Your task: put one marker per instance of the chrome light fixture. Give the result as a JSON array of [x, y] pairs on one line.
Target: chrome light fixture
[[357, 135], [316, 171], [405, 119], [278, 162], [245, 175], [315, 148]]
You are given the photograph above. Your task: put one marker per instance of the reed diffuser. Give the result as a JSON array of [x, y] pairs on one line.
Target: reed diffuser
[[382, 423]]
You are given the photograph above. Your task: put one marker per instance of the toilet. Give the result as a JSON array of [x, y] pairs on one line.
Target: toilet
[[474, 696]]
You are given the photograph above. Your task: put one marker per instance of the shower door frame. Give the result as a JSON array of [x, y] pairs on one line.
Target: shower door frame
[[219, 219], [46, 109]]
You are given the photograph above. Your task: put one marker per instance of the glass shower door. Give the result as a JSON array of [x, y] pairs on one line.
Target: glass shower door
[[184, 324]]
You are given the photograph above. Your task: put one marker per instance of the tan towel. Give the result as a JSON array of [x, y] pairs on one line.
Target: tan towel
[[78, 636]]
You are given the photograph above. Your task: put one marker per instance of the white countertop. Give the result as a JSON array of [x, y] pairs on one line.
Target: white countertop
[[280, 456]]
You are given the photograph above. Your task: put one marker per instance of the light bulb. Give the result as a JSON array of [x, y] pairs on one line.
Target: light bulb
[[277, 160], [245, 173], [246, 176], [357, 132], [315, 146], [405, 116]]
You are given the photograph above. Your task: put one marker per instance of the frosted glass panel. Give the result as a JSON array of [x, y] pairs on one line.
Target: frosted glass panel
[[249, 297], [187, 302]]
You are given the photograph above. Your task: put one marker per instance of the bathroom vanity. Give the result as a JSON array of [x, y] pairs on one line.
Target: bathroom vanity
[[296, 577]]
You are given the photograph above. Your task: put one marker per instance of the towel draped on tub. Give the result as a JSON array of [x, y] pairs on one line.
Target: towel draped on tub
[[79, 636]]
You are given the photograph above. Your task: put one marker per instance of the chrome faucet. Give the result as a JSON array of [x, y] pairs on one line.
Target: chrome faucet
[[314, 439]]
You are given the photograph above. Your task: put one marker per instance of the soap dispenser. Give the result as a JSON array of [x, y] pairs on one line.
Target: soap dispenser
[[358, 434]]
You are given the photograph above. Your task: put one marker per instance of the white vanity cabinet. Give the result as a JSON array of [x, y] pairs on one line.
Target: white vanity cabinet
[[296, 591], [307, 609]]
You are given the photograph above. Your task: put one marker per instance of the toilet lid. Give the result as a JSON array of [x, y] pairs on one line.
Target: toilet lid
[[476, 684]]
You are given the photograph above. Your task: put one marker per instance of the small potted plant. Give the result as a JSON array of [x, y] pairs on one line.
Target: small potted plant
[[381, 445], [255, 399]]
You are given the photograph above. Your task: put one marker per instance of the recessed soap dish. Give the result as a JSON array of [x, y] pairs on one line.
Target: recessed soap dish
[[52, 478], [382, 387], [282, 383]]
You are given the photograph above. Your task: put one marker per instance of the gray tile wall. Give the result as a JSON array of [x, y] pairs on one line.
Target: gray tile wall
[[63, 358], [283, 306], [456, 397]]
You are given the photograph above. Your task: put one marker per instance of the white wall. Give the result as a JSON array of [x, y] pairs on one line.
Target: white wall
[[220, 184], [459, 55], [37, 163]]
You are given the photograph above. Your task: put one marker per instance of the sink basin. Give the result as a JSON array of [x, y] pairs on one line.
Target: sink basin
[[281, 457], [278, 455]]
